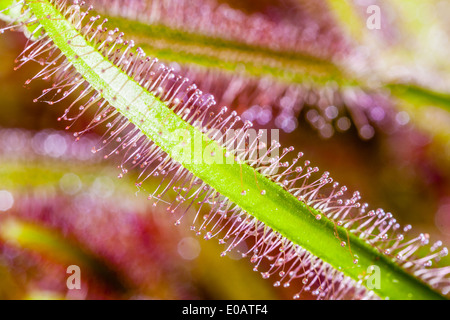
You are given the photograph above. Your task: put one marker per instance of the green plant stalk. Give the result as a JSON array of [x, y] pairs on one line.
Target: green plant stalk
[[420, 96], [49, 243], [208, 52], [278, 209], [20, 176]]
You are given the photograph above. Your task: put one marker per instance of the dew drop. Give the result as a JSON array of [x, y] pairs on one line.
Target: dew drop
[[208, 235]]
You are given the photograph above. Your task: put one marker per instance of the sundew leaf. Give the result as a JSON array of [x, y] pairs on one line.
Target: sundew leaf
[[283, 81], [288, 83], [304, 231], [55, 192]]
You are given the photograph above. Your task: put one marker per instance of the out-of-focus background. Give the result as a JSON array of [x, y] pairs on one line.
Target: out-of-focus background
[[361, 87]]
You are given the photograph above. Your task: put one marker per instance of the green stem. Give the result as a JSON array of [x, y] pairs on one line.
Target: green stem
[[207, 52], [278, 209], [420, 96]]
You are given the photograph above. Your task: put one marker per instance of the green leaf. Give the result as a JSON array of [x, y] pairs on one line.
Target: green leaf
[[277, 208]]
